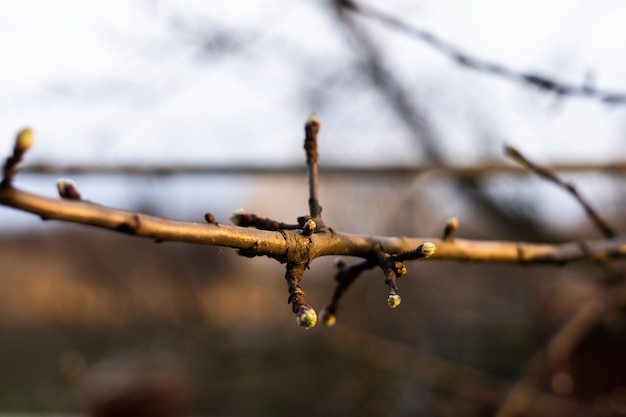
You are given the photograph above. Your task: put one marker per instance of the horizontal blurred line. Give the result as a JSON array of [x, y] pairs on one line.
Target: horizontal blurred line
[[444, 170]]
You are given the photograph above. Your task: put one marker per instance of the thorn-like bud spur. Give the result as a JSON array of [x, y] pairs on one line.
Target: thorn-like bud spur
[[67, 190], [306, 316], [451, 225], [23, 141], [328, 317], [393, 300], [309, 227]]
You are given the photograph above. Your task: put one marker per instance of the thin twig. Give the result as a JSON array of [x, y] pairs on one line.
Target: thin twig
[[448, 231], [345, 277], [552, 176], [311, 129], [476, 170], [245, 219], [466, 60], [305, 314]]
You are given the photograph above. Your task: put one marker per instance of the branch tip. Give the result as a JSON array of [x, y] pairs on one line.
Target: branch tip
[[328, 316], [313, 122], [23, 141], [451, 225], [306, 316], [393, 300], [428, 249]]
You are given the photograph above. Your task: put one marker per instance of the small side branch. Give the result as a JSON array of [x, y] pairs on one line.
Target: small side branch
[[394, 266], [311, 128], [345, 277], [245, 219], [550, 175], [448, 232], [305, 314]]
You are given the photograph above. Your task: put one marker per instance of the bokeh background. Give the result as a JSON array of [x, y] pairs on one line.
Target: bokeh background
[[176, 108]]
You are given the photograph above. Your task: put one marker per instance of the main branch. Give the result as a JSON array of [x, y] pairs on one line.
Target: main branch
[[288, 245], [296, 245]]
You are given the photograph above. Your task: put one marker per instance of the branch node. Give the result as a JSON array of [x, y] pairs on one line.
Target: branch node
[[130, 227]]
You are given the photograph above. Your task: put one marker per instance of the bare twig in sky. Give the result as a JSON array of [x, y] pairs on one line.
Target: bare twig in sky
[[464, 59], [551, 175], [477, 170]]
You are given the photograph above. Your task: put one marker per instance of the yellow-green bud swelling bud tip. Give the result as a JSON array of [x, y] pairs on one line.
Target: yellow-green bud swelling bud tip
[[453, 223], [309, 227], [328, 318], [313, 118], [428, 249], [306, 317], [63, 186], [393, 300], [24, 140]]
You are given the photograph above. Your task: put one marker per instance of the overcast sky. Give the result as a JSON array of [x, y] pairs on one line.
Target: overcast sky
[[217, 82]]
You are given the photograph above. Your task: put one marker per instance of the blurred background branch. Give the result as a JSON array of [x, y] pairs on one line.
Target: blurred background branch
[[464, 59]]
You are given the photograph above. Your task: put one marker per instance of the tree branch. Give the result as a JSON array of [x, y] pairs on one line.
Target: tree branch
[[289, 244], [552, 176], [295, 245], [466, 60], [477, 170]]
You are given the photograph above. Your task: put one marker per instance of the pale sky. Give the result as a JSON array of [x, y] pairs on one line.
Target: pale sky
[[127, 81]]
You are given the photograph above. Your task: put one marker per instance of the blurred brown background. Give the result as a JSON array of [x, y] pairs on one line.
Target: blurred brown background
[[89, 316]]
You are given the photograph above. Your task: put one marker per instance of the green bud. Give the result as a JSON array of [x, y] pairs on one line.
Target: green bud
[[309, 227], [306, 317], [428, 249], [313, 118], [328, 318], [24, 140], [393, 300], [67, 190]]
